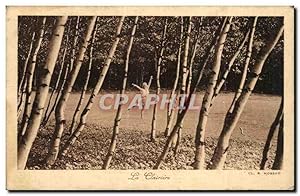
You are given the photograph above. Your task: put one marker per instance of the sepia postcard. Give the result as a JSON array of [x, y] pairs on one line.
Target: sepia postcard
[[150, 98]]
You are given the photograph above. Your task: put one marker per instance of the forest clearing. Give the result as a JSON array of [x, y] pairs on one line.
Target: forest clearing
[[231, 67], [89, 151]]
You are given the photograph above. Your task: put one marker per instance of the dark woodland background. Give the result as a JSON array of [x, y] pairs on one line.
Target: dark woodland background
[[146, 48]]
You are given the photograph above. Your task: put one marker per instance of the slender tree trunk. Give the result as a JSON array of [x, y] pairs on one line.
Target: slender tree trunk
[[59, 92], [95, 91], [272, 130], [229, 66], [194, 51], [22, 81], [211, 50], [244, 75], [206, 103], [118, 117], [190, 72], [277, 165], [86, 82], [170, 139], [189, 82], [231, 119], [74, 44], [158, 68], [22, 84], [62, 103], [57, 88], [47, 114], [170, 112], [183, 86], [177, 140], [29, 80], [44, 122], [41, 94], [181, 116], [185, 57]]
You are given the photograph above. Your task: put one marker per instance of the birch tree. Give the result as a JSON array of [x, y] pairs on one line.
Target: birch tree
[[183, 85], [181, 115], [224, 76], [65, 75], [170, 112], [194, 51], [27, 140], [245, 70], [275, 125], [76, 35], [22, 85], [185, 56], [232, 118], [59, 92], [118, 117], [62, 103], [55, 88], [230, 65], [189, 80], [29, 79], [95, 91], [56, 85], [85, 86], [206, 103], [68, 68], [23, 76], [158, 69]]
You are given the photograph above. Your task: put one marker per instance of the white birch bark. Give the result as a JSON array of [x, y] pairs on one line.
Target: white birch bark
[[62, 103], [232, 118], [113, 143], [95, 91], [41, 94], [206, 103]]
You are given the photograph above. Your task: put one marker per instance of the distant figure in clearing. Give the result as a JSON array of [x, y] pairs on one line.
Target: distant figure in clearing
[[144, 91]]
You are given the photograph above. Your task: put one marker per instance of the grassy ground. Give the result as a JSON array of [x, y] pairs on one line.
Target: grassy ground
[[134, 150]]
